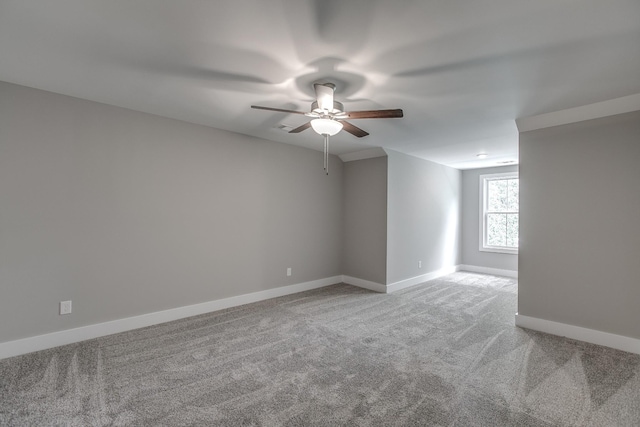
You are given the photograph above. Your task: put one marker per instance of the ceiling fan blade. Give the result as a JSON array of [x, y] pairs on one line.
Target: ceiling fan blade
[[324, 95], [301, 128], [374, 114], [257, 107], [353, 130]]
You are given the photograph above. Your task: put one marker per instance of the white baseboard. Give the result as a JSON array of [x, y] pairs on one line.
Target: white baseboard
[[488, 270], [393, 287], [366, 284], [620, 342], [69, 336]]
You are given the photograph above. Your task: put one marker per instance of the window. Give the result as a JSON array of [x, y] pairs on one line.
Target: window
[[499, 200]]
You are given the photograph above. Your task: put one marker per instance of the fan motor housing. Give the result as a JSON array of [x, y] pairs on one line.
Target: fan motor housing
[[337, 108]]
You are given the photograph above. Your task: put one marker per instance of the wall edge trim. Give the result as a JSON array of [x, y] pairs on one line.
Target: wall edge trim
[[488, 270], [611, 107], [82, 333], [619, 342], [365, 284], [401, 284]]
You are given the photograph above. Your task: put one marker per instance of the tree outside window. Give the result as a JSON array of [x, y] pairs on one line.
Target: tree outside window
[[499, 212]]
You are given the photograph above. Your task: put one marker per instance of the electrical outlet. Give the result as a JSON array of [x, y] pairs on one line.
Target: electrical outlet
[[65, 307], [419, 264], [289, 271]]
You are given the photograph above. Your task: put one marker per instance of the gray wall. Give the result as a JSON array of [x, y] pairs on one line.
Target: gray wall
[[423, 216], [365, 219], [471, 254], [579, 232], [127, 213]]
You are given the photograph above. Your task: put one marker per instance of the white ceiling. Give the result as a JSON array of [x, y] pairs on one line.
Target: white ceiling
[[462, 71]]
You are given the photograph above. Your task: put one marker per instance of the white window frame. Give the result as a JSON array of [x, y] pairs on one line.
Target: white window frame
[[484, 180]]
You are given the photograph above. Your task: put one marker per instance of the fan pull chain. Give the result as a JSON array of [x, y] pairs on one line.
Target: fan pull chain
[[326, 153]]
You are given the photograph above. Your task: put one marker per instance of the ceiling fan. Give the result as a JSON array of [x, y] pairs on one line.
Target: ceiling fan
[[329, 117]]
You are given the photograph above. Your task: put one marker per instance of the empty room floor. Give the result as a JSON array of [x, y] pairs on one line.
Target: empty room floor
[[445, 352]]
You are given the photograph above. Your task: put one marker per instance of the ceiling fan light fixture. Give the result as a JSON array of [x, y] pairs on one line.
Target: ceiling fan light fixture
[[326, 126]]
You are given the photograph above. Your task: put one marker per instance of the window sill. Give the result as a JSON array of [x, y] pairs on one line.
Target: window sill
[[499, 250]]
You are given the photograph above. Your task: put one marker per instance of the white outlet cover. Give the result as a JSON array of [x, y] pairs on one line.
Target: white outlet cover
[[65, 307]]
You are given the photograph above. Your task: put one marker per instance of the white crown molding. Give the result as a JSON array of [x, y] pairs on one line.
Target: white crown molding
[[396, 286], [619, 342], [369, 153], [488, 270], [626, 104], [69, 336]]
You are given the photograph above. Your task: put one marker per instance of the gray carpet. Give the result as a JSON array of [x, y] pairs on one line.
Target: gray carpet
[[441, 353]]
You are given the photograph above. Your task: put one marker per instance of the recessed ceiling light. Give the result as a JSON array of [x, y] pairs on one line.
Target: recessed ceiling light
[[482, 155]]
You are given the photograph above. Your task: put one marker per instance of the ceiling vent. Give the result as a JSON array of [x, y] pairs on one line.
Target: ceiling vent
[[284, 128]]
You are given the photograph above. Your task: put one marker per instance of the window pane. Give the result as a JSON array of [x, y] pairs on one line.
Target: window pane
[[514, 194], [496, 229], [497, 197], [512, 230]]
